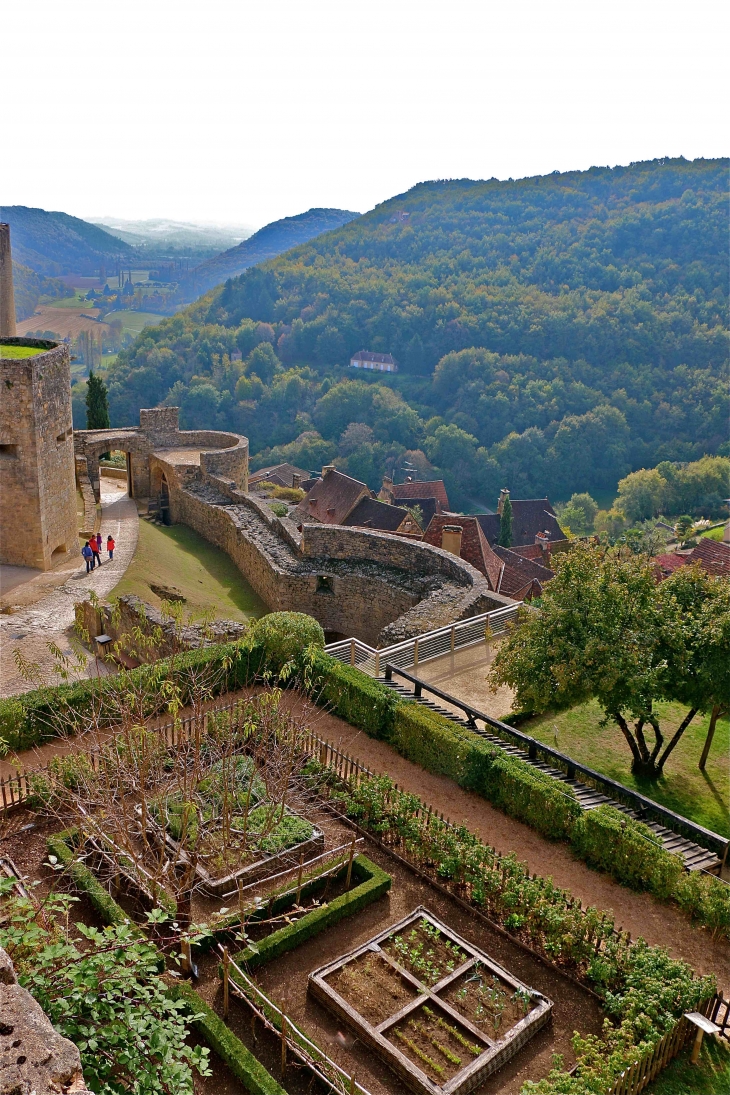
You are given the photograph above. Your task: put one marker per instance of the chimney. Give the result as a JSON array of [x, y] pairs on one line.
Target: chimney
[[296, 481], [327, 469], [451, 539], [7, 297], [504, 493]]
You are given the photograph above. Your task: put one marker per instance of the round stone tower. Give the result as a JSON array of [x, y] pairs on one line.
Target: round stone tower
[[38, 523]]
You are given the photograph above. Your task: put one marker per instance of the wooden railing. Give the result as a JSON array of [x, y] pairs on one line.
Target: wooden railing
[[644, 807], [292, 1039]]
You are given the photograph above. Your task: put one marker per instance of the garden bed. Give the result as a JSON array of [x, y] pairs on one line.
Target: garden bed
[[432, 1045], [243, 840]]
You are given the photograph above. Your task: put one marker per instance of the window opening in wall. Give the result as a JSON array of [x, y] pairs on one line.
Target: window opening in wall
[[58, 552], [9, 452], [324, 584], [61, 438]]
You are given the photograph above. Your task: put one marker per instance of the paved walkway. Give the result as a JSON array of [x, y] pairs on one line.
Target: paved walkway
[[31, 629]]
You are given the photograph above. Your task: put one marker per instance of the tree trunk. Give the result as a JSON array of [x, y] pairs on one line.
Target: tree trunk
[[717, 711], [623, 725], [682, 727]]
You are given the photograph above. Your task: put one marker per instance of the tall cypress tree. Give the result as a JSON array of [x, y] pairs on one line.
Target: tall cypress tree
[[97, 406], [505, 524]]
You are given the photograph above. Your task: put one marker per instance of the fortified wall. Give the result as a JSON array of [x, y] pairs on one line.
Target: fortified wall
[[371, 585], [38, 526]]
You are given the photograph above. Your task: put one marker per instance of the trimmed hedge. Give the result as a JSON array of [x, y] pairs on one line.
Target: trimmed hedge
[[355, 697], [610, 841], [30, 719], [59, 845], [373, 884], [447, 749], [231, 1050]]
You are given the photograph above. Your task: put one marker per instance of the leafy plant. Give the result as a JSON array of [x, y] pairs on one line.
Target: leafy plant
[[101, 989]]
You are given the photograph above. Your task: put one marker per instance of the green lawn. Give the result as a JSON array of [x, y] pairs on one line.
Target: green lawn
[[703, 797], [714, 533], [134, 321], [178, 559], [76, 300], [19, 351], [710, 1076]]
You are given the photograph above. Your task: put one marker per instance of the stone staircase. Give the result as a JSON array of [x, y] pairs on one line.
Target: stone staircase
[[694, 856]]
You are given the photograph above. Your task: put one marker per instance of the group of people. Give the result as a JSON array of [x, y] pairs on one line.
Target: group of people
[[91, 550]]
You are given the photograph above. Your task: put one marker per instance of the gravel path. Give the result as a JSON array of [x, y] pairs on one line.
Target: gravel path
[[31, 629]]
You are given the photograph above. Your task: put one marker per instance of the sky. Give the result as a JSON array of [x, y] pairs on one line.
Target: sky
[[229, 111]]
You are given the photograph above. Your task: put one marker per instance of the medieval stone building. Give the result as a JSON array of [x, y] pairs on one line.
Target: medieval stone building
[[38, 524]]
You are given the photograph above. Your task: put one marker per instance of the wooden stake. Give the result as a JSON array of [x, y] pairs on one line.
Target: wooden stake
[[240, 902], [186, 962], [349, 864], [283, 1044], [352, 1085], [299, 879], [225, 983]]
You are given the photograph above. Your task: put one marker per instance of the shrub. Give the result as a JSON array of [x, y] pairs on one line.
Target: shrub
[[608, 840], [288, 494], [278, 508], [373, 883], [284, 636], [354, 697], [451, 750]]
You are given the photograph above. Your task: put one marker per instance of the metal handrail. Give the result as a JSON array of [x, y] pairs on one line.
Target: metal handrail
[[430, 644], [643, 806]]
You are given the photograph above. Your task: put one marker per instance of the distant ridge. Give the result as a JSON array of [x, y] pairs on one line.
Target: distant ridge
[[271, 240], [56, 243]]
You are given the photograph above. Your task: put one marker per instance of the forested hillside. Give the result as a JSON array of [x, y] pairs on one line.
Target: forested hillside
[[56, 243], [552, 335], [30, 287], [269, 241]]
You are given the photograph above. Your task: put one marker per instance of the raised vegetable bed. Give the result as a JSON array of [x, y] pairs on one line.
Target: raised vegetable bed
[[440, 1012]]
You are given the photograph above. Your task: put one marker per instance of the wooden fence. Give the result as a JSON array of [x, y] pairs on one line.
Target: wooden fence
[[643, 1071], [293, 1040]]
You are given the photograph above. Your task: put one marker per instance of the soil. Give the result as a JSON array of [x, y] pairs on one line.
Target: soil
[[372, 987], [480, 996], [285, 980], [429, 1038], [427, 956]]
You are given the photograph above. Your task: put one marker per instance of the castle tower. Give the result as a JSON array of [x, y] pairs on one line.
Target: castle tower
[[7, 297], [38, 524]]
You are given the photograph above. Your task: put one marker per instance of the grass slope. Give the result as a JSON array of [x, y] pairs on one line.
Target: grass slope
[[703, 797], [710, 1076], [177, 558], [134, 321]]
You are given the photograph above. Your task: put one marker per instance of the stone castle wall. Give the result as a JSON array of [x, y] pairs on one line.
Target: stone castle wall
[[370, 585], [38, 523]]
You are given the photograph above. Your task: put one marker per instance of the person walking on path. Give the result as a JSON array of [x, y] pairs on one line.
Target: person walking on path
[[95, 545], [88, 555], [110, 545]]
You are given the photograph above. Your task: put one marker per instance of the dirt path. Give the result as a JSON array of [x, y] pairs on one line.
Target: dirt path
[[31, 629], [660, 924]]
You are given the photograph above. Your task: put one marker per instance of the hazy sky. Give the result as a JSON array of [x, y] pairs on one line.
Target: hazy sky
[[230, 110]]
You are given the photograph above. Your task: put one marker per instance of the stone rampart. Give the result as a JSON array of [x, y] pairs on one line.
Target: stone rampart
[[370, 585]]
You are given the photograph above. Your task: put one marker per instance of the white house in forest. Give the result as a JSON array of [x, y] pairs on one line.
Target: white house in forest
[[366, 359]]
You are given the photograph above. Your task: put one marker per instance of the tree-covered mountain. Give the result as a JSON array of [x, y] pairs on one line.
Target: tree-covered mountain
[[29, 288], [552, 335], [265, 244], [56, 243]]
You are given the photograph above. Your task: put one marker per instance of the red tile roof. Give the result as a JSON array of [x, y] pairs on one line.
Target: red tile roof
[[474, 546], [714, 555], [418, 489], [331, 499]]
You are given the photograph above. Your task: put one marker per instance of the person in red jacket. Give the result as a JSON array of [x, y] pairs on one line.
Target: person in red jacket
[[95, 545], [110, 545]]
